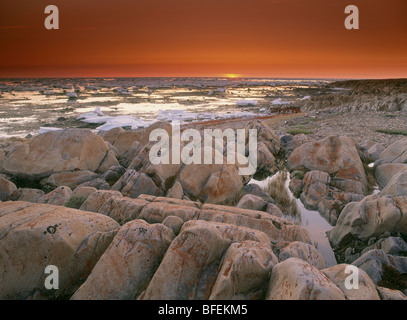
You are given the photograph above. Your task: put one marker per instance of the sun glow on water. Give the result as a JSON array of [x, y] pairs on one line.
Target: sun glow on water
[[232, 75]]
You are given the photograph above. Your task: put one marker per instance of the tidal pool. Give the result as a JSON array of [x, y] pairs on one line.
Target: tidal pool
[[312, 221]]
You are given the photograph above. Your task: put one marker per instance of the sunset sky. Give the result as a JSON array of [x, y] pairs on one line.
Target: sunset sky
[[252, 38]]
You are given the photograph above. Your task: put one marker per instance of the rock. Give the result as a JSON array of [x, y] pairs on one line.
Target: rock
[[181, 202], [56, 151], [145, 132], [295, 279], [70, 179], [389, 294], [212, 183], [113, 174], [98, 184], [395, 153], [27, 194], [254, 189], [157, 212], [385, 172], [264, 134], [175, 191], [114, 149], [122, 209], [125, 269], [313, 194], [131, 153], [268, 145], [265, 159], [95, 201], [252, 202], [397, 186], [366, 288], [367, 144], [2, 157], [120, 139], [34, 236], [274, 210], [132, 184], [189, 268], [57, 197], [336, 156], [6, 189], [290, 144], [368, 218], [84, 192], [174, 223], [301, 250], [296, 186], [375, 151], [394, 245], [108, 162], [245, 272], [371, 262]]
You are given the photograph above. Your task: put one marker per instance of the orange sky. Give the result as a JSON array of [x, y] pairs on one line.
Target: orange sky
[[254, 38]]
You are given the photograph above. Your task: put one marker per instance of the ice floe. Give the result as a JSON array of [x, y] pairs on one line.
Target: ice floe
[[110, 122], [48, 129], [279, 101], [243, 103]]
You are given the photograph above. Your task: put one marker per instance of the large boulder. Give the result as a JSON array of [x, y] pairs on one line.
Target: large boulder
[[300, 250], [366, 288], [127, 266], [57, 197], [368, 218], [385, 172], [395, 153], [390, 294], [190, 266], [268, 145], [397, 186], [327, 174], [375, 151], [252, 202], [336, 156], [122, 209], [132, 184], [211, 183], [70, 179], [27, 194], [96, 199], [7, 188], [58, 151], [372, 263], [295, 279], [34, 236], [245, 272]]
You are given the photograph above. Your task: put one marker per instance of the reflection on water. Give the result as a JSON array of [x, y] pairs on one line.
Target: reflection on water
[[312, 221], [46, 99]]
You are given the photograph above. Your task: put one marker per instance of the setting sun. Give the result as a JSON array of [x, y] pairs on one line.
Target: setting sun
[[232, 75]]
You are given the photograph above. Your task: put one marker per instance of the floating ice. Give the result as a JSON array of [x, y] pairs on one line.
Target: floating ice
[[48, 129], [110, 122], [279, 101], [72, 95], [243, 103]]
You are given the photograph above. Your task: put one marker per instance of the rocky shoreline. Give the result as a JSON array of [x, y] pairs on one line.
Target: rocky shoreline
[[118, 226]]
